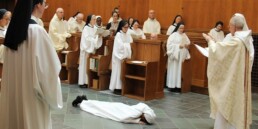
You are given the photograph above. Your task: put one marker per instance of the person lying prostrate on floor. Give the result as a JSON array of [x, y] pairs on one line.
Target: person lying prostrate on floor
[[137, 114]]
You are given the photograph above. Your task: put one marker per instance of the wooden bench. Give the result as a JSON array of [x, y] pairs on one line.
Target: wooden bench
[[69, 60]]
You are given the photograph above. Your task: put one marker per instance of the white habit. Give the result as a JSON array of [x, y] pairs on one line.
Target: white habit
[[118, 111], [176, 57], [151, 26], [171, 29], [121, 50], [89, 43], [58, 31], [217, 35], [30, 83], [74, 26]]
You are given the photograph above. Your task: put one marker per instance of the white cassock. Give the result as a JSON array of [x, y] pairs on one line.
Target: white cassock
[[118, 111], [171, 29], [121, 50], [74, 26], [138, 33], [89, 43], [58, 31], [30, 83], [217, 35], [227, 76], [2, 35], [151, 26], [176, 57]]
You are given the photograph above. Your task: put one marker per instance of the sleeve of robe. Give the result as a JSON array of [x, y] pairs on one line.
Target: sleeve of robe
[[123, 49], [170, 29], [89, 43], [172, 48], [60, 37], [48, 67], [144, 29], [158, 28]]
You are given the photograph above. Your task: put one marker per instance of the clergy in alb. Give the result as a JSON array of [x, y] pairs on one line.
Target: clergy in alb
[[229, 77], [30, 83], [89, 43], [3, 24], [77, 24], [216, 33], [121, 50], [136, 114], [172, 27], [177, 51], [151, 25], [58, 30]]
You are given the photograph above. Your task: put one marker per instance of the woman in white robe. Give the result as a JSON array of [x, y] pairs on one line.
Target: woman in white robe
[[177, 51], [137, 114], [172, 27], [112, 26], [30, 83], [135, 31], [216, 33], [121, 51], [89, 43]]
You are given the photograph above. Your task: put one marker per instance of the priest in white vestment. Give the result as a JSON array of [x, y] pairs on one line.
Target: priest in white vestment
[[58, 30], [30, 83], [216, 33], [89, 43], [121, 50], [177, 51], [135, 31], [172, 27], [77, 24], [151, 25], [229, 77], [120, 112]]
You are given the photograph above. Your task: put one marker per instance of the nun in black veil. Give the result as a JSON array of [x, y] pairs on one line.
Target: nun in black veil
[[30, 82]]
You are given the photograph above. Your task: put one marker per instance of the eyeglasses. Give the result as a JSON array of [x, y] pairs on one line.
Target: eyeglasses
[[126, 27]]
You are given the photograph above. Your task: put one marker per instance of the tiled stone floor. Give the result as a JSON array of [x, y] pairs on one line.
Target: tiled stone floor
[[175, 111]]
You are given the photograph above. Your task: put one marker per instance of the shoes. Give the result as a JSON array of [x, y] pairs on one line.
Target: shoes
[[78, 100], [83, 86], [117, 91]]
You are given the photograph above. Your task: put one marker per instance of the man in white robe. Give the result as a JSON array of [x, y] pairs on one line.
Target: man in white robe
[[58, 30], [229, 78], [151, 25], [30, 84], [77, 24], [137, 114]]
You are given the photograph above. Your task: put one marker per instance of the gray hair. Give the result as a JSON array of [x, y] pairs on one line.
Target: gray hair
[[238, 21]]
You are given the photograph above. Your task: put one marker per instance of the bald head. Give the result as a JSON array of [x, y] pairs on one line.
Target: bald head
[[152, 14], [60, 13], [79, 18]]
